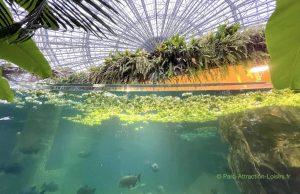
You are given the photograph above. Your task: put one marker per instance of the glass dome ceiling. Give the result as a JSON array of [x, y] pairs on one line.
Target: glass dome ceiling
[[143, 23]]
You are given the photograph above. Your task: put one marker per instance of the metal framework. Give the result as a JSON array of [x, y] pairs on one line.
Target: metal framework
[[144, 23]]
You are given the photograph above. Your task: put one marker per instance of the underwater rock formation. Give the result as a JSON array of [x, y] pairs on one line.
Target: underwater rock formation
[[264, 149]]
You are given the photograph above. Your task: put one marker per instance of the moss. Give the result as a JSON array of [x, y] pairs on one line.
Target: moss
[[95, 107]]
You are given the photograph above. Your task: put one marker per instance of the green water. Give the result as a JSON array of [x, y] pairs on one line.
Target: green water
[[47, 148]]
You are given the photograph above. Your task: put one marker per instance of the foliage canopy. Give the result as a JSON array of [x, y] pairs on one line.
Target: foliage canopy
[[177, 56]]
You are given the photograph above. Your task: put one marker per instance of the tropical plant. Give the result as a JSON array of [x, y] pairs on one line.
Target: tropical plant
[[225, 47], [78, 77], [256, 44], [283, 42], [123, 67], [176, 56], [54, 14], [16, 45], [173, 57]]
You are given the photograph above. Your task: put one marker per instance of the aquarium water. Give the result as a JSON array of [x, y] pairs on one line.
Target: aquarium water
[[42, 152]]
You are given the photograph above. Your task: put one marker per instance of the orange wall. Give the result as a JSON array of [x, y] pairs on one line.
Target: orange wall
[[237, 74]]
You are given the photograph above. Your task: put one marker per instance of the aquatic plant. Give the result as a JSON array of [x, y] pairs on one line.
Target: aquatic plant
[[96, 107]]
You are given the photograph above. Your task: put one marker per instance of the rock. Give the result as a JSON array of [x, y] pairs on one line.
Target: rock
[[264, 142]]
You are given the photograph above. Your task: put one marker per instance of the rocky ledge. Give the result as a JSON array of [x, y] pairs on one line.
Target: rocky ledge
[[264, 149]]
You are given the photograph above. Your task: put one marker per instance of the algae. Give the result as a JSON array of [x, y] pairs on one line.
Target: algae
[[92, 108]]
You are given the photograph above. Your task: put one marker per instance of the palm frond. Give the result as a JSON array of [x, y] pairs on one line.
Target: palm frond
[[57, 14]]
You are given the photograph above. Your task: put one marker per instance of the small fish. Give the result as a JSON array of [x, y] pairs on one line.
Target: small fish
[[108, 94], [6, 118], [32, 190], [50, 187], [29, 150], [86, 190], [83, 154], [129, 181], [160, 189], [154, 167], [14, 168], [214, 191]]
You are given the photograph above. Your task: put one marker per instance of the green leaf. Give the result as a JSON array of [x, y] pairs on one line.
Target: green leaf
[[5, 91], [283, 42], [48, 19], [27, 56], [5, 16]]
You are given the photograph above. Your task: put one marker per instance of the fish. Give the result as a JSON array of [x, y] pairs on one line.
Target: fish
[[108, 94], [14, 168], [86, 190], [29, 150], [129, 181], [154, 167], [32, 190], [83, 154], [160, 189], [49, 187], [6, 118], [214, 191]]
